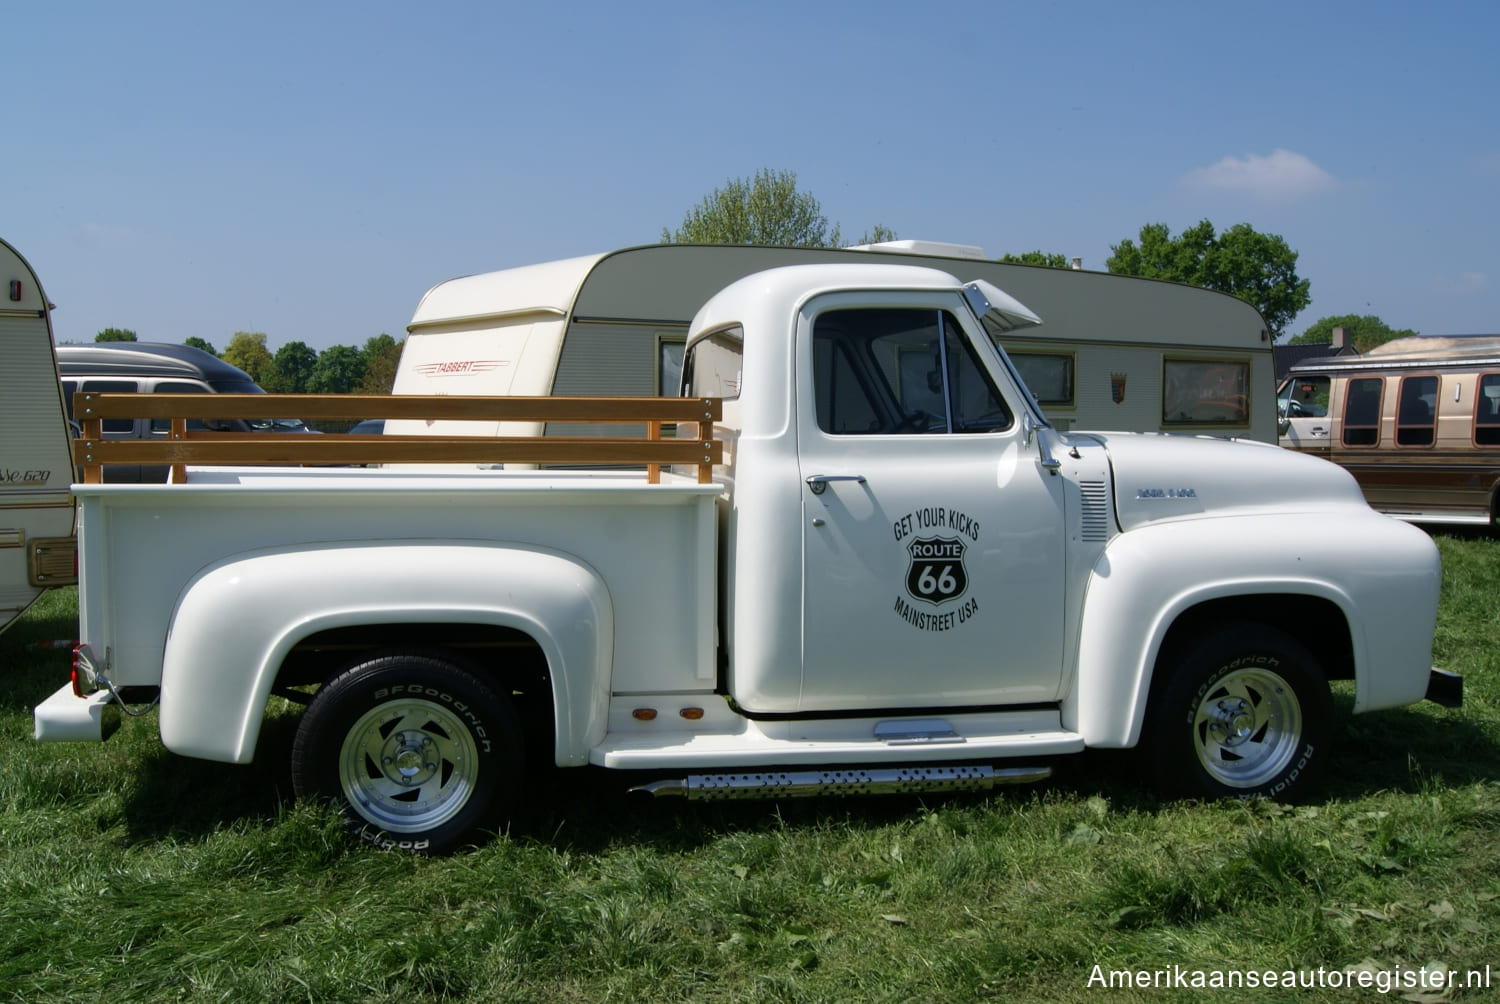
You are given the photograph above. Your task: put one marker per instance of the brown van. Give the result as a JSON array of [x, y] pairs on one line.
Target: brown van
[[1416, 421]]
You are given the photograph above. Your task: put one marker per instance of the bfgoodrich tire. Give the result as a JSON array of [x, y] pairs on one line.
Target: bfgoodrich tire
[[1246, 712], [419, 752]]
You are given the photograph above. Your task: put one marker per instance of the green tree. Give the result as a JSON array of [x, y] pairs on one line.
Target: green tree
[[879, 234], [194, 342], [247, 350], [294, 365], [766, 210], [1047, 258], [381, 354], [339, 370], [115, 335], [1260, 269], [1365, 331]]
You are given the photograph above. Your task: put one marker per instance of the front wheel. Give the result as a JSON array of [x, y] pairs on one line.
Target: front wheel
[[419, 751], [1245, 713]]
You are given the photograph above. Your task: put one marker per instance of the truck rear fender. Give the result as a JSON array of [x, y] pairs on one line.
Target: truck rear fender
[[1157, 577], [236, 621]]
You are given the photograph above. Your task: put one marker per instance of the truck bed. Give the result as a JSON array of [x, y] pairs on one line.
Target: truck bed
[[652, 544]]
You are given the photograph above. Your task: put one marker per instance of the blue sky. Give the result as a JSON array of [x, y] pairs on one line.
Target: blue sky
[[310, 169]]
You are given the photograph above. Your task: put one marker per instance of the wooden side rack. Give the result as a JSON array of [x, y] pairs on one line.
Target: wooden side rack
[[180, 446]]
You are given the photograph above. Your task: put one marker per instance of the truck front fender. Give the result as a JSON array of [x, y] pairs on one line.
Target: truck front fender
[[1382, 575], [236, 621]]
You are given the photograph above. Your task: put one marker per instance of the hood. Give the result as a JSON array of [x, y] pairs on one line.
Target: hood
[[1160, 477]]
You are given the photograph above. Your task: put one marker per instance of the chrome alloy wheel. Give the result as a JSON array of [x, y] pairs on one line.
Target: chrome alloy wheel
[[1247, 728], [408, 765]]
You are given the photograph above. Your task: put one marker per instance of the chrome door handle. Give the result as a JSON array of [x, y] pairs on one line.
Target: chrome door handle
[[819, 482]]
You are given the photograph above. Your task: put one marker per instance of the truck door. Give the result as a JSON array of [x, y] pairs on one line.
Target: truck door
[[932, 538], [36, 508]]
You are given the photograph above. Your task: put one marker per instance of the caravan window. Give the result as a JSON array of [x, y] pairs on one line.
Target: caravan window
[[1362, 411], [1416, 411], [1048, 375], [669, 364], [1205, 392], [1487, 411]]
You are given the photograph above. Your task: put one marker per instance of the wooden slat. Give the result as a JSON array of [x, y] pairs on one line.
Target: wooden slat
[[88, 404], [182, 447]]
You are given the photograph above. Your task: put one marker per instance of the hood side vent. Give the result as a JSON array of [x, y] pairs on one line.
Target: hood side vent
[[1094, 513]]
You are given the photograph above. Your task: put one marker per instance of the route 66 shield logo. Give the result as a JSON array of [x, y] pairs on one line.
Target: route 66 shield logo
[[936, 574]]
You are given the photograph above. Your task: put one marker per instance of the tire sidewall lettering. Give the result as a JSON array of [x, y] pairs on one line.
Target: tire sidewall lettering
[[476, 725]]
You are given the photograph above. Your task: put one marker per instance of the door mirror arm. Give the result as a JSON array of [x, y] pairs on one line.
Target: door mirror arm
[[1049, 463]]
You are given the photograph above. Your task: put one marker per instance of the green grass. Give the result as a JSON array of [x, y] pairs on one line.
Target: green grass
[[131, 874]]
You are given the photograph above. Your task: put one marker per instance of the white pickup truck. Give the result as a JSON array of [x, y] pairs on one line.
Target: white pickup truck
[[891, 574]]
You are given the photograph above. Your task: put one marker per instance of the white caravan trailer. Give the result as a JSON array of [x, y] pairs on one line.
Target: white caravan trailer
[[36, 470], [1113, 352]]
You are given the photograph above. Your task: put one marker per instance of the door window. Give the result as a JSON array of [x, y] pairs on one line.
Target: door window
[[1305, 397], [900, 371]]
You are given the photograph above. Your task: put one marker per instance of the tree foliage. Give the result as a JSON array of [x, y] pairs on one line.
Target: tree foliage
[[1365, 331], [115, 335], [294, 367], [765, 210], [194, 342], [381, 354], [878, 234], [338, 370], [247, 350], [1047, 258], [1260, 269]]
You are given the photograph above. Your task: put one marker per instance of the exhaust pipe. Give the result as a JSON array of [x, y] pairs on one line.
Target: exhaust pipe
[[803, 784]]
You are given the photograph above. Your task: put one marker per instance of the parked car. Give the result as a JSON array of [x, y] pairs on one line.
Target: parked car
[[160, 368]]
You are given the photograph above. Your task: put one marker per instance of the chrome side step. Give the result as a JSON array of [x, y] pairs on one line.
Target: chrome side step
[[880, 781]]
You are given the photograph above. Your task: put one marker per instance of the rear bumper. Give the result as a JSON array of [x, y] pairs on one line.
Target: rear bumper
[[66, 717], [1445, 688]]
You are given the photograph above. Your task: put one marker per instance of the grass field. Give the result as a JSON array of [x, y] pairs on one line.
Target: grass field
[[130, 874]]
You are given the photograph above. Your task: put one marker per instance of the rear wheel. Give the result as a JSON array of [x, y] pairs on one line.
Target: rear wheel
[[1246, 712], [419, 751]]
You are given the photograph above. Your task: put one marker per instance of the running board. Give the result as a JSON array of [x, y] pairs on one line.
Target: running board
[[800, 784]]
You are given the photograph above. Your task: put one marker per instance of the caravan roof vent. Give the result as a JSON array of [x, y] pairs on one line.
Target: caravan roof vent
[[935, 248]]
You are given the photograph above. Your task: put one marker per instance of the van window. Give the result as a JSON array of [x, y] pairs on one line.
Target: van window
[[1487, 411], [125, 425], [1416, 411], [1362, 411], [161, 426]]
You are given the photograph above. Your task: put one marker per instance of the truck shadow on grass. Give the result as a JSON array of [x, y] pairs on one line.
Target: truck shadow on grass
[[590, 809]]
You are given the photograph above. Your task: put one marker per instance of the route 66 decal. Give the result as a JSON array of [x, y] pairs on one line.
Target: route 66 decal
[[936, 573]]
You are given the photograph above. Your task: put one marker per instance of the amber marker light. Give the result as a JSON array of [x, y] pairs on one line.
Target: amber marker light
[[644, 714], [691, 714]]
